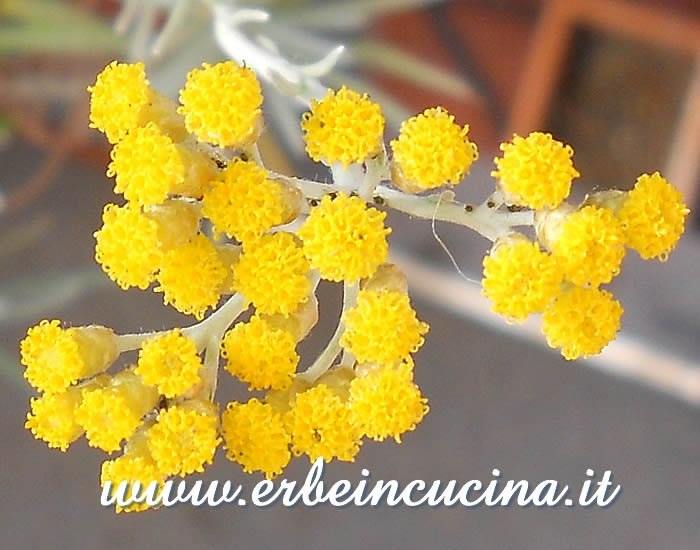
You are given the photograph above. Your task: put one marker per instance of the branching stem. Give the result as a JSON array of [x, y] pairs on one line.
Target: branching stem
[[325, 360], [485, 219], [213, 326]]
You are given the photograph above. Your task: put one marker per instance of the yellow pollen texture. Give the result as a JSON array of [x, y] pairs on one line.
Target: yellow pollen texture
[[653, 217], [344, 239], [116, 99], [184, 438], [51, 356], [141, 469], [243, 203], [52, 418], [535, 171], [255, 437], [382, 328], [343, 127], [260, 355], [170, 362], [432, 150], [272, 273], [387, 403], [146, 166], [108, 418], [191, 277], [520, 279], [582, 321], [127, 246], [590, 247], [221, 104], [321, 424]]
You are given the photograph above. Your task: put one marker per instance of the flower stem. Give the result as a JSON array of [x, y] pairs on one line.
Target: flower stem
[[325, 360], [213, 326], [485, 219]]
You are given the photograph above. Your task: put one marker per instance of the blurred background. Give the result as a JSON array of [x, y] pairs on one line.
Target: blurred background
[[618, 80]]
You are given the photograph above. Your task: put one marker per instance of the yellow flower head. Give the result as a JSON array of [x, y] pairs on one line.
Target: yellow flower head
[[221, 104], [132, 468], [116, 99], [244, 203], [260, 355], [272, 273], [184, 438], [191, 277], [128, 247], [387, 403], [255, 437], [431, 151], [343, 127], [589, 246], [582, 321], [344, 239], [653, 217], [535, 171], [519, 278], [382, 328], [53, 418], [170, 362], [55, 357], [147, 166], [112, 413], [322, 424], [51, 356]]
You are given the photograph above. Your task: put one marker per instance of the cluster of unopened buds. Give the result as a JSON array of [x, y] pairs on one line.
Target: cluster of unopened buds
[[203, 219]]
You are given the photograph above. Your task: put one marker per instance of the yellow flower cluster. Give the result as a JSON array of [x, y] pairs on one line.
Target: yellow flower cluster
[[344, 239], [387, 402], [170, 363], [520, 278], [583, 246], [343, 127], [255, 437], [653, 217], [184, 437], [192, 277], [431, 151], [382, 328], [582, 321], [328, 419], [203, 218], [221, 104], [155, 406], [135, 465], [535, 171], [122, 100], [172, 183], [273, 273], [244, 203], [148, 167], [260, 354]]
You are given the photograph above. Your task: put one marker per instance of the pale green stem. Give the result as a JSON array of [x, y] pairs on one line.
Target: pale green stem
[[373, 175], [315, 278], [216, 324], [211, 366], [325, 360], [485, 220], [213, 326], [347, 178]]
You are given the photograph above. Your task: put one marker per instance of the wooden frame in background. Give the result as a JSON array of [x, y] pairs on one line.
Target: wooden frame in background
[[551, 43]]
